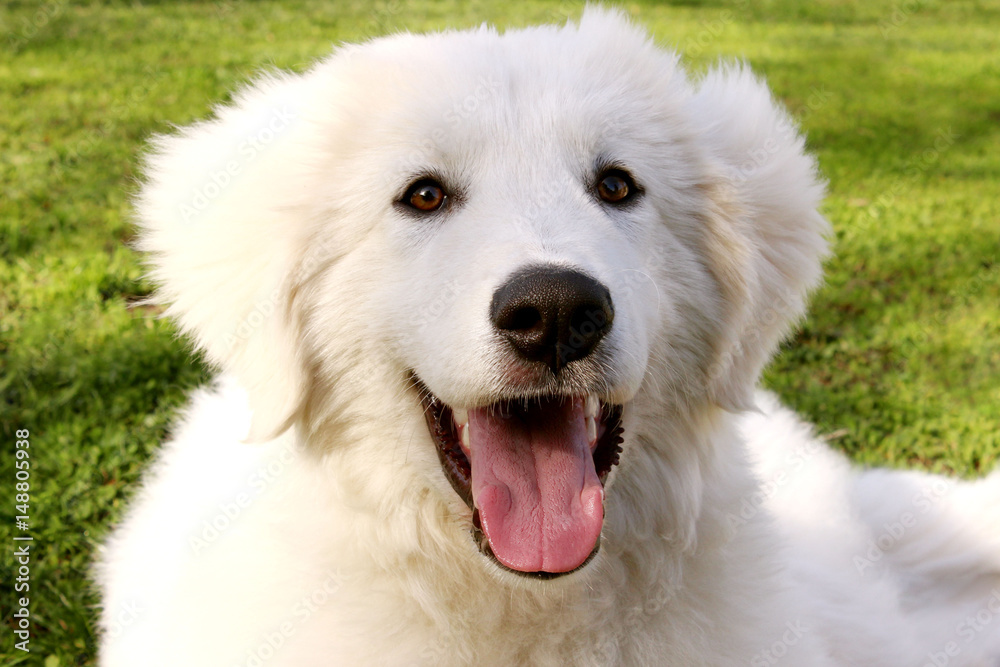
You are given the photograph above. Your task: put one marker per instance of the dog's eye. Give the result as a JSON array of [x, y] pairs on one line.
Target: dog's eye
[[426, 196], [616, 186]]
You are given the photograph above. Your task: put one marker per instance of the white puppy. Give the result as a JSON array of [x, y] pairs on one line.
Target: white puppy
[[491, 309]]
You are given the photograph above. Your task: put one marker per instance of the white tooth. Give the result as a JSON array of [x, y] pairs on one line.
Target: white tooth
[[591, 430], [461, 416], [465, 438], [591, 406]]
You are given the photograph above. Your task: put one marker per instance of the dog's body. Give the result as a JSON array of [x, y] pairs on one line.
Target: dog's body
[[536, 241]]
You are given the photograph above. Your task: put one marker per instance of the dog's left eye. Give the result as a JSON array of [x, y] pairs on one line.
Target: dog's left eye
[[426, 196], [615, 186]]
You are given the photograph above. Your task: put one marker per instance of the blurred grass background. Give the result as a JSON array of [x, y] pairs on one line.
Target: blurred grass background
[[899, 358]]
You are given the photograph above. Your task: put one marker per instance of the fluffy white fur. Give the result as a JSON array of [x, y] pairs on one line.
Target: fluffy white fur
[[299, 515]]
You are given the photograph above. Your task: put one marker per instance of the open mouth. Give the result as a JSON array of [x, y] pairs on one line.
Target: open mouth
[[532, 470]]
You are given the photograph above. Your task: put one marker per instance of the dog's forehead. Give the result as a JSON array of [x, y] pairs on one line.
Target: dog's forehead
[[544, 92]]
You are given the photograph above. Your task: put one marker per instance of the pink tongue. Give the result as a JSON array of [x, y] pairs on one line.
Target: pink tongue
[[533, 480]]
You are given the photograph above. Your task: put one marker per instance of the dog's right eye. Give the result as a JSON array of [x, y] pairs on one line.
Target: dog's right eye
[[426, 196]]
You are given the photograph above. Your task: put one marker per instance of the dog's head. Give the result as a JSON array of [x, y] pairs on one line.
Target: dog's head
[[519, 239]]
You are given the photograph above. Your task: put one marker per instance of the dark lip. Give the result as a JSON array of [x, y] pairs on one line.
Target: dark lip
[[441, 425], [456, 467]]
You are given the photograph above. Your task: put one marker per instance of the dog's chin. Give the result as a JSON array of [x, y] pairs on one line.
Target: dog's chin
[[519, 459]]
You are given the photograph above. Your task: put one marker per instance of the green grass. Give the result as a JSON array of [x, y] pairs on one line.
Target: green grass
[[900, 354]]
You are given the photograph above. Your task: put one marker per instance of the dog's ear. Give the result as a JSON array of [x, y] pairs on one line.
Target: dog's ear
[[222, 231], [765, 236]]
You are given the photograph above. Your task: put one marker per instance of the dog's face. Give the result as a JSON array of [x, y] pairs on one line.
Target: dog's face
[[523, 238]]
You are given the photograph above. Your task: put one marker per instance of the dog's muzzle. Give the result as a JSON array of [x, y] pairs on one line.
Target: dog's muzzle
[[533, 462]]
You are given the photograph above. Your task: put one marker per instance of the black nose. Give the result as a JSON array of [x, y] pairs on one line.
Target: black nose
[[552, 314]]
